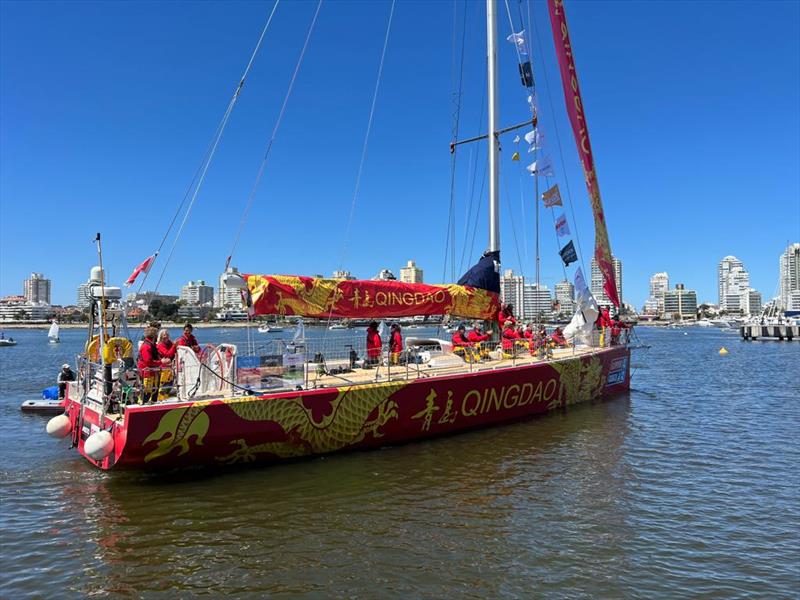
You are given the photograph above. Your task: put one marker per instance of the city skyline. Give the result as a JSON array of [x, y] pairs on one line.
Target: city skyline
[[660, 217]]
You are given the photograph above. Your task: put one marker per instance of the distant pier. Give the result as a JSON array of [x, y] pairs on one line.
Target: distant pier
[[770, 332]]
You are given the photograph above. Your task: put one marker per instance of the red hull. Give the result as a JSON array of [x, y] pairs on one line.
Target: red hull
[[279, 426]]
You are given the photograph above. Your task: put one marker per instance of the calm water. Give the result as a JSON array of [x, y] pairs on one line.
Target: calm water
[[689, 487]]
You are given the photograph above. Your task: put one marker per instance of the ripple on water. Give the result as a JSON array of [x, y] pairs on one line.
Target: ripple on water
[[686, 489]]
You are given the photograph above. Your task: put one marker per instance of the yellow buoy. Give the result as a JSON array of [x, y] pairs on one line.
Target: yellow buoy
[[723, 351], [515, 156]]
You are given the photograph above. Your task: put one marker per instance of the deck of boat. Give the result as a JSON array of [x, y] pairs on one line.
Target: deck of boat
[[412, 372]]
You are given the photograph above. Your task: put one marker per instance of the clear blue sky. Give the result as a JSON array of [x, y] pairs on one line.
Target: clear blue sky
[[107, 108]]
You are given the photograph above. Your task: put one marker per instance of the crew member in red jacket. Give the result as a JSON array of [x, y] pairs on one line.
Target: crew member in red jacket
[[506, 314], [166, 347], [149, 364], [374, 344], [396, 343], [510, 337], [558, 338], [479, 339], [188, 339], [462, 346]]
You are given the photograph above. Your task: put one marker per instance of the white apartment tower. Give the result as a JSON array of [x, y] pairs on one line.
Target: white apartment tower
[[659, 285], [84, 297], [197, 293], [228, 297], [726, 265], [512, 291], [36, 289], [733, 281], [597, 282], [411, 273], [536, 301], [790, 277], [565, 296]]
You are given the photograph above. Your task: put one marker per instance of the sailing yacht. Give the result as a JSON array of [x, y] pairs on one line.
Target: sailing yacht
[[224, 406], [52, 335]]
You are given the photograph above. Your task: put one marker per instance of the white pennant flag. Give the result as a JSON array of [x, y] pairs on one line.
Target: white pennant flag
[[516, 139], [518, 39], [543, 167], [535, 140]]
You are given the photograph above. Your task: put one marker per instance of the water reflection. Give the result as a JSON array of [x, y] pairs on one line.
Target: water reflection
[[499, 493]]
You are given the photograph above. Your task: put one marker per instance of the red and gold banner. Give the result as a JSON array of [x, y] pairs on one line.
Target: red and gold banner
[[572, 95], [343, 298]]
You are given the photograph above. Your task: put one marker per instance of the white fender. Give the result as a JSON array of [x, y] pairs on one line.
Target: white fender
[[98, 445], [59, 427]]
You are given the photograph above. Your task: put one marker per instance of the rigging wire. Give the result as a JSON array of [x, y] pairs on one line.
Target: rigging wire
[[456, 99], [558, 140], [275, 129], [209, 156], [366, 138], [484, 87]]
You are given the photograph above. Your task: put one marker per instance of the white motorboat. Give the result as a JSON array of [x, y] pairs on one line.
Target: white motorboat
[[8, 342], [269, 329]]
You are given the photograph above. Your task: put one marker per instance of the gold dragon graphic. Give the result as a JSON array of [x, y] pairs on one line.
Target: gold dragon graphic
[[320, 298], [347, 423], [579, 381]]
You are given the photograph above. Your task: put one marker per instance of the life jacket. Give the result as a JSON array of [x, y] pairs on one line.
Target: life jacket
[[149, 356]]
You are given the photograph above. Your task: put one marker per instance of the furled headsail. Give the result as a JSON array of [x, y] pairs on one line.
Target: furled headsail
[[577, 118], [342, 298]]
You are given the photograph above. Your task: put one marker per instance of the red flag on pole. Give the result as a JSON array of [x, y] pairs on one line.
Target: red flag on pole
[[142, 268]]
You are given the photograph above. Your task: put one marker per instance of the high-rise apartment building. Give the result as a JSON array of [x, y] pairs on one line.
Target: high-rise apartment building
[[565, 296], [597, 282], [411, 273], [750, 302], [197, 293], [84, 296], [659, 285], [680, 303], [730, 272], [36, 289], [228, 297], [512, 291], [790, 277], [536, 301]]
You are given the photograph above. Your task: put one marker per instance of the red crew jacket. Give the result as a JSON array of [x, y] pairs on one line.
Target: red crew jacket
[[189, 341], [396, 342], [502, 318], [460, 340], [373, 343], [509, 337], [475, 337], [148, 357], [167, 349]]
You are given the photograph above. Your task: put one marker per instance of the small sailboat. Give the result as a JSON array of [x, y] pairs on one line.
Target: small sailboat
[[4, 341], [52, 335]]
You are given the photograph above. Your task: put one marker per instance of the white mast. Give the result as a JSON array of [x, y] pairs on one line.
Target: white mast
[[494, 171]]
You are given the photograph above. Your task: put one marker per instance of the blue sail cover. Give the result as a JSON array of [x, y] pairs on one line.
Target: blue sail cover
[[485, 274]]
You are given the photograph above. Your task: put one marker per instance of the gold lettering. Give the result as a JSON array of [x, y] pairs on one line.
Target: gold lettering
[[396, 298], [408, 298], [514, 396], [537, 395], [523, 399], [419, 298], [549, 391], [439, 296], [470, 412], [380, 298]]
